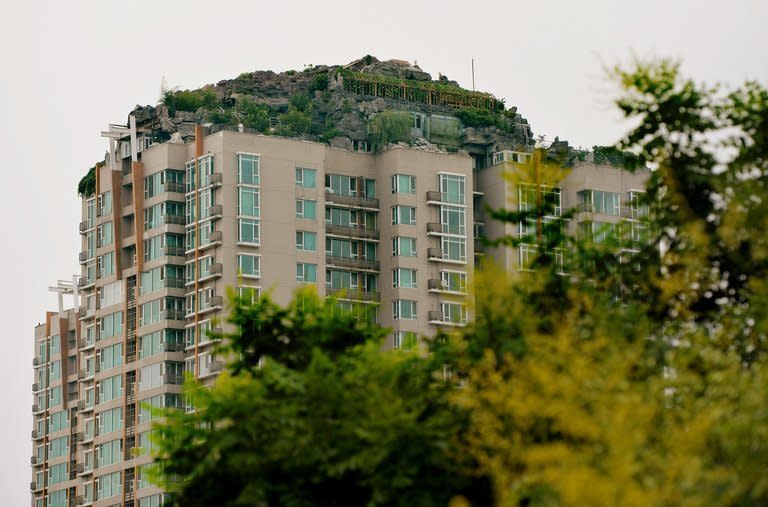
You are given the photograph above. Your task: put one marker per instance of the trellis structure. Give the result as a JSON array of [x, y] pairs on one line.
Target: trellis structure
[[429, 93]]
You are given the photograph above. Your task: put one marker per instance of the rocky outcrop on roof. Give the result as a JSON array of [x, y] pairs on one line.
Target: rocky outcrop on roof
[[336, 104]]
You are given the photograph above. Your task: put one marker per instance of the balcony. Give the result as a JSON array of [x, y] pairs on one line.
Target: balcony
[[172, 314], [437, 318], [434, 254], [35, 487], [434, 197], [479, 246], [173, 379], [36, 435], [434, 228], [350, 294], [33, 461], [355, 263], [351, 201], [35, 387], [215, 179], [173, 251], [214, 303], [351, 232], [83, 257], [37, 409], [84, 344], [83, 226], [174, 219], [35, 361], [214, 211], [171, 186], [436, 285]]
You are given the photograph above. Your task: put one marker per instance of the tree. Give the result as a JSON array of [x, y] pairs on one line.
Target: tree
[[654, 395], [311, 412]]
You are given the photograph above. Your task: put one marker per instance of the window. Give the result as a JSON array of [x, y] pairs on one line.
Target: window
[[56, 498], [249, 265], [57, 447], [248, 231], [109, 453], [206, 169], [405, 340], [404, 309], [145, 442], [54, 396], [597, 201], [249, 295], [402, 246], [306, 209], [105, 265], [57, 421], [335, 279], [454, 312], [549, 198], [404, 278], [150, 312], [306, 178], [404, 215], [148, 411], [452, 188], [403, 184], [54, 371], [248, 169], [454, 249], [110, 357], [105, 203], [159, 374], [111, 325], [453, 281], [104, 234], [152, 501], [306, 272], [341, 185], [638, 207], [110, 420], [306, 241], [110, 388], [108, 485], [160, 341], [452, 219], [57, 474], [111, 294], [335, 247], [248, 202]]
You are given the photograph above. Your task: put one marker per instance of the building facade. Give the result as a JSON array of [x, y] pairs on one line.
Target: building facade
[[171, 226]]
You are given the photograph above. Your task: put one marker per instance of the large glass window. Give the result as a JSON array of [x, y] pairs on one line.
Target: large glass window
[[454, 249], [108, 485], [454, 312], [110, 357], [109, 453], [111, 325], [453, 281], [206, 169], [452, 219], [248, 231], [306, 209], [306, 272], [598, 201], [452, 188], [402, 246], [404, 278], [110, 420], [248, 169], [105, 264], [340, 248], [404, 309], [405, 340], [57, 473], [105, 236], [248, 202], [403, 184], [341, 185], [249, 265], [306, 178], [110, 388], [404, 215], [306, 241]]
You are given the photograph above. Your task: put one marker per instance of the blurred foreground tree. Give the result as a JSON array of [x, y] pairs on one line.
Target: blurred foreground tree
[[657, 393], [312, 413]]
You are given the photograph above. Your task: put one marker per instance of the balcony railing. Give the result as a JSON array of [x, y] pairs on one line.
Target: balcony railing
[[172, 186], [352, 263], [349, 231], [434, 254], [172, 314], [623, 212], [174, 219], [352, 201], [436, 198], [174, 251], [434, 228], [352, 294]]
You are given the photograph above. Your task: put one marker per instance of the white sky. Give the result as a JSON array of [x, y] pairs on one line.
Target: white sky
[[70, 67]]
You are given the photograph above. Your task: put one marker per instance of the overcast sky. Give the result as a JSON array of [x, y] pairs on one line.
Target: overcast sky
[[69, 68]]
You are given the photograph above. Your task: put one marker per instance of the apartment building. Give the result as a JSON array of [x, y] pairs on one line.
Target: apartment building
[[171, 226]]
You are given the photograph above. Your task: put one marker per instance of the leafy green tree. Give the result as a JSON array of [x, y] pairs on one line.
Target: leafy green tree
[[311, 412], [655, 394], [390, 127]]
